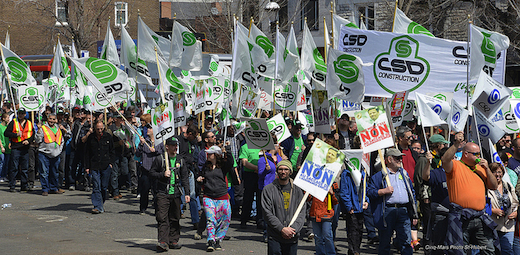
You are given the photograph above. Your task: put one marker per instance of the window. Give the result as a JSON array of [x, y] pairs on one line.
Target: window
[[121, 14], [62, 12], [311, 12], [368, 16]]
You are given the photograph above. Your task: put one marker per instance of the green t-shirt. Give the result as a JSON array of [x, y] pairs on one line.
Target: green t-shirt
[[298, 142], [4, 140], [172, 178], [250, 154]]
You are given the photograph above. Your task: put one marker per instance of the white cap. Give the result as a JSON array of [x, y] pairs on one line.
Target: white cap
[[214, 149]]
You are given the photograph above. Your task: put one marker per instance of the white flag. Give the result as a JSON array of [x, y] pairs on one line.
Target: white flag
[[148, 40], [345, 79], [17, 70], [403, 24], [286, 95], [31, 98], [458, 117], [291, 58], [129, 59], [59, 67], [7, 40], [243, 70], [312, 62], [338, 23], [485, 47], [433, 111], [109, 50], [102, 74], [266, 68], [487, 128], [356, 158], [170, 84], [185, 50], [489, 95], [216, 68], [515, 108]]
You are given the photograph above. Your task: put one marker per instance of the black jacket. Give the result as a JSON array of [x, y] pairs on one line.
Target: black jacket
[[215, 184], [99, 153], [163, 183]]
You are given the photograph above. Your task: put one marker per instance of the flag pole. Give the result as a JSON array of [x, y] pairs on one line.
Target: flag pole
[[136, 55], [332, 22], [276, 66], [395, 13], [8, 80], [161, 91], [467, 74]]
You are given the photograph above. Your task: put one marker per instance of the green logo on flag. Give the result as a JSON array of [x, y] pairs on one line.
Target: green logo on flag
[[401, 68], [30, 98], [175, 86], [265, 44], [351, 25], [346, 69], [516, 93], [257, 135], [441, 97], [213, 66], [18, 69], [488, 49], [188, 38], [276, 128], [415, 28], [65, 67], [355, 162], [102, 69], [318, 60]]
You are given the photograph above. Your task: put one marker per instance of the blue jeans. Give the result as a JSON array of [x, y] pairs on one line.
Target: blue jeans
[[323, 237], [5, 165], [48, 168], [19, 158], [120, 167], [506, 242], [335, 219], [369, 223], [277, 248], [100, 180], [396, 219], [516, 245]]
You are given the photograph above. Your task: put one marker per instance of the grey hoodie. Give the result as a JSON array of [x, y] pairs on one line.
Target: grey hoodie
[[275, 215], [50, 150]]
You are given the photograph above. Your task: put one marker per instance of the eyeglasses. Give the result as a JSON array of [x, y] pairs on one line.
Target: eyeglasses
[[409, 138], [310, 140], [507, 141], [211, 136], [476, 154], [398, 158]]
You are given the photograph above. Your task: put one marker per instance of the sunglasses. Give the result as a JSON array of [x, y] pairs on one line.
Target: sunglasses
[[476, 154], [399, 158]]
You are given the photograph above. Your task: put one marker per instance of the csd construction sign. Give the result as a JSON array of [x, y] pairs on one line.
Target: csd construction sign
[[257, 134]]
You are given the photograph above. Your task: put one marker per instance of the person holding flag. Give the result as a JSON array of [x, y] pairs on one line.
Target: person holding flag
[[50, 139], [20, 132]]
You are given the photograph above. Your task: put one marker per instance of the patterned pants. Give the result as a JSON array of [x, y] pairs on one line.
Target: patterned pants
[[218, 214]]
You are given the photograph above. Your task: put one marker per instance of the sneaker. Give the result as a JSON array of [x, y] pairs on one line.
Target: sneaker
[[96, 211], [87, 189], [72, 188], [211, 246], [141, 213], [197, 236], [227, 238], [217, 245], [310, 236], [174, 246], [59, 191], [162, 246], [45, 193], [62, 191], [373, 240]]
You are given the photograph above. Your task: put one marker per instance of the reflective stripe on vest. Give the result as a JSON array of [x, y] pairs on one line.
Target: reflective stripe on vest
[[50, 137], [26, 132]]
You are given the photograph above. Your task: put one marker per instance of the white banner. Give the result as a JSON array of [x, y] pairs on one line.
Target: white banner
[[179, 108], [286, 95], [489, 95], [415, 63], [31, 98], [458, 117], [487, 128], [162, 122], [257, 134], [345, 79]]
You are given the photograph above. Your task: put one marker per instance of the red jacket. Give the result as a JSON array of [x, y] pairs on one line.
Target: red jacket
[[319, 209]]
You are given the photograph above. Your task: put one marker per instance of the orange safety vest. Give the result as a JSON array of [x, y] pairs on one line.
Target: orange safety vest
[[50, 137], [26, 132]]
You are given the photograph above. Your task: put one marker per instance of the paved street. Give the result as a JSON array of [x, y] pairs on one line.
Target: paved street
[[62, 224]]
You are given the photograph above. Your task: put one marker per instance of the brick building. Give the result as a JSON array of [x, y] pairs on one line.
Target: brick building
[[34, 25]]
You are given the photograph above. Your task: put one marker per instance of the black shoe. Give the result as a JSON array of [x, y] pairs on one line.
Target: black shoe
[[175, 246], [227, 238], [211, 246], [195, 226], [243, 225], [161, 247], [217, 245], [373, 240]]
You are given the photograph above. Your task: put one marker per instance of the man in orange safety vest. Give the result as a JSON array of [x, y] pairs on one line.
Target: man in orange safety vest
[[50, 140], [20, 132]]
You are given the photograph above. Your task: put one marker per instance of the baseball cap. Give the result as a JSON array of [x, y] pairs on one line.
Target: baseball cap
[[286, 163], [22, 110], [172, 141], [345, 116], [393, 152], [297, 123], [438, 139], [214, 150]]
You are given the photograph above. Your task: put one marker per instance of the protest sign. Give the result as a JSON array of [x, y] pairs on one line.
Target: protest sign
[[278, 127], [320, 168], [31, 98], [397, 106], [257, 134], [162, 122], [355, 157], [320, 108], [374, 129]]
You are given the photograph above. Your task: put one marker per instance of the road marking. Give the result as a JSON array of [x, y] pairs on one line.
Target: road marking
[[51, 218]]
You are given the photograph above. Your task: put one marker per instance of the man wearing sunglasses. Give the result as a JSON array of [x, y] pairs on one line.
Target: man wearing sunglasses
[[393, 205], [467, 180], [404, 143]]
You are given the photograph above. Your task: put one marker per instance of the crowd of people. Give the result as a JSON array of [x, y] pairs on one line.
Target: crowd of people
[[436, 183]]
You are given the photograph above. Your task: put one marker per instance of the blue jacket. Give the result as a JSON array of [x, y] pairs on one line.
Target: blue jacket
[[378, 203], [348, 193]]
